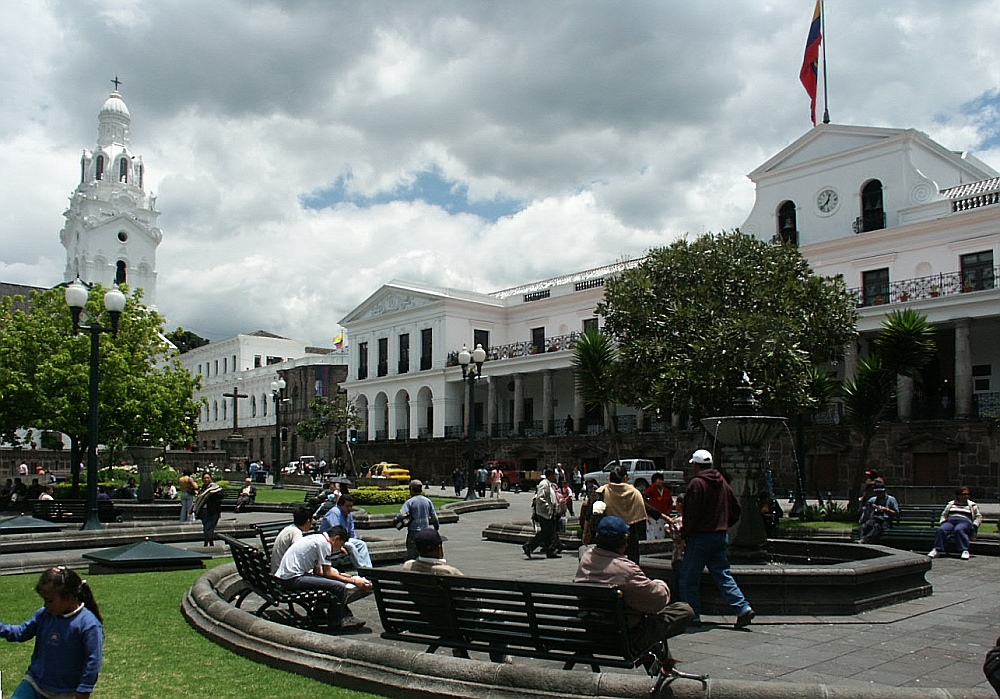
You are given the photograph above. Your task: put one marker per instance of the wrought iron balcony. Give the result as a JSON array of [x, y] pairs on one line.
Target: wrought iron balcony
[[559, 343], [933, 286]]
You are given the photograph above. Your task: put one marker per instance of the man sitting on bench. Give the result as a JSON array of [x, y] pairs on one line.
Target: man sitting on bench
[[651, 615], [340, 516], [306, 566]]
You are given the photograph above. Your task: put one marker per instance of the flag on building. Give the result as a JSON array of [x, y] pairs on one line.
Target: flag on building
[[338, 342], [810, 61]]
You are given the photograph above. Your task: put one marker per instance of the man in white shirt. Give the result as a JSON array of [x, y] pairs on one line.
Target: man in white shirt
[[306, 566], [302, 522]]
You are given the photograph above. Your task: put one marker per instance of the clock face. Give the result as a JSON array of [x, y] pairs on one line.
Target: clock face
[[827, 201]]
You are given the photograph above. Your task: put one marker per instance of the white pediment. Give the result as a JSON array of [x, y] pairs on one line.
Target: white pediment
[[388, 300]]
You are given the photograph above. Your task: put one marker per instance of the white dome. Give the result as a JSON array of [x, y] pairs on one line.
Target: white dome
[[115, 105]]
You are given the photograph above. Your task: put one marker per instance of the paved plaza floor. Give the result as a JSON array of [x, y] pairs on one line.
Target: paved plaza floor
[[937, 641], [934, 642]]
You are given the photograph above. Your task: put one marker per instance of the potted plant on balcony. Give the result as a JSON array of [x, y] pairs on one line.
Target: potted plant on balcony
[[904, 296], [967, 285], [935, 290]]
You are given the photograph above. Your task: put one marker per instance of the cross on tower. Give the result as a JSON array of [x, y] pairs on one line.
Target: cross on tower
[[235, 395], [117, 82]]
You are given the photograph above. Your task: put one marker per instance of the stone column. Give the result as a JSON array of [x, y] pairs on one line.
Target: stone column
[[548, 426], [491, 405], [579, 411], [851, 359], [144, 457], [963, 369], [441, 414], [518, 403], [904, 398]]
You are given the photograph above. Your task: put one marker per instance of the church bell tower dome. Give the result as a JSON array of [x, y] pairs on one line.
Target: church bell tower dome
[[110, 234]]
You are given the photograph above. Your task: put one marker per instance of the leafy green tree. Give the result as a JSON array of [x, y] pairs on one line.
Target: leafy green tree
[[330, 418], [694, 316], [44, 375], [904, 345], [185, 340], [595, 361]]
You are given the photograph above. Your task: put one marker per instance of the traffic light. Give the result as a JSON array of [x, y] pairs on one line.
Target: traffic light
[[352, 436]]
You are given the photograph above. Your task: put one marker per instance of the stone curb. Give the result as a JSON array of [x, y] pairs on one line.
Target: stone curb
[[346, 661]]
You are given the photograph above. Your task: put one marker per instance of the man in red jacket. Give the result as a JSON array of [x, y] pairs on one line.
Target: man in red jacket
[[710, 509]]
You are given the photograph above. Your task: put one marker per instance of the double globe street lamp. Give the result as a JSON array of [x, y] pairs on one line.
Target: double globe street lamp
[[77, 294], [470, 374], [277, 393]]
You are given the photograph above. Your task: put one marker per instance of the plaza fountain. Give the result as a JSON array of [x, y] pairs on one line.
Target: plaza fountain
[[789, 577]]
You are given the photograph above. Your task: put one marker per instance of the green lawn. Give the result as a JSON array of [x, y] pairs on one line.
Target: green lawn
[[150, 651]]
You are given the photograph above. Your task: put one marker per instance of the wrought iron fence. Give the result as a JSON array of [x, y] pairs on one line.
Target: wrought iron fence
[[945, 284], [513, 350]]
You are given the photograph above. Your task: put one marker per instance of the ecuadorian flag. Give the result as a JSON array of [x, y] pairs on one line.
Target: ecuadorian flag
[[338, 342], [810, 61]]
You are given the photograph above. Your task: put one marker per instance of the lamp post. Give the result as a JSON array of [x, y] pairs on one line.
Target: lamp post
[[77, 294], [277, 393], [470, 374]]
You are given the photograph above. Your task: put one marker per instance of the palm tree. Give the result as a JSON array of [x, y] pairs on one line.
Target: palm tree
[[595, 358], [904, 346]]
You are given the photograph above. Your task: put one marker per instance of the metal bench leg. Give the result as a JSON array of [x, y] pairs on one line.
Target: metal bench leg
[[666, 670]]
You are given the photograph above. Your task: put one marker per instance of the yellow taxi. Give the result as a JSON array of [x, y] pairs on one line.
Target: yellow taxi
[[393, 472]]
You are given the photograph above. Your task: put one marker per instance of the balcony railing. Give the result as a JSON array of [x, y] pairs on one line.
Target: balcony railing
[[513, 350], [947, 284]]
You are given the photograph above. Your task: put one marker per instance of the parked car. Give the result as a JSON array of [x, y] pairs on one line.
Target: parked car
[[640, 473], [386, 471]]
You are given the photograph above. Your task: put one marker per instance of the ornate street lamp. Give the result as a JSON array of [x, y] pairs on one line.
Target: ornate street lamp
[[278, 394], [77, 294], [470, 374]]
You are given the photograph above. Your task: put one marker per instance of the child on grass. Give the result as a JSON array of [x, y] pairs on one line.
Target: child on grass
[[69, 639]]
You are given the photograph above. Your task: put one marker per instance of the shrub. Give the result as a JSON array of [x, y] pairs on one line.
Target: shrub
[[380, 496]]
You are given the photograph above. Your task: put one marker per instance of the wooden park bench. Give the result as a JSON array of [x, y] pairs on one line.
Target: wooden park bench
[[254, 569], [572, 623], [268, 532], [913, 528], [73, 511]]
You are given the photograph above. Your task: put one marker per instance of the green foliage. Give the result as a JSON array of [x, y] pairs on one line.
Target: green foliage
[[185, 340], [151, 651], [904, 345], [44, 374], [694, 316], [596, 368], [328, 417], [378, 496]]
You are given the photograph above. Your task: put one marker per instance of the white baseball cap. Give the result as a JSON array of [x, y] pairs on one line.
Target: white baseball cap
[[702, 456]]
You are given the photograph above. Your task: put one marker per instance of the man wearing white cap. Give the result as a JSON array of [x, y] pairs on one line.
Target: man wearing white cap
[[710, 509]]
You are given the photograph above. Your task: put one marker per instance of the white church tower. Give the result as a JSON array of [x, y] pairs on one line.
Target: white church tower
[[110, 234]]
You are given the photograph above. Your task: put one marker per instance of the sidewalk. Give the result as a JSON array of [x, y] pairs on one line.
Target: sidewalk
[[938, 641]]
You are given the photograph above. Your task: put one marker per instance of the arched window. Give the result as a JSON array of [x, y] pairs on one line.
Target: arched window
[[788, 231], [215, 410], [120, 272], [253, 406], [123, 170], [141, 173], [263, 404], [872, 210], [99, 170]]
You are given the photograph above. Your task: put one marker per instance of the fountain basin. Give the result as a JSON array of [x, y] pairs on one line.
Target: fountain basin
[[817, 578]]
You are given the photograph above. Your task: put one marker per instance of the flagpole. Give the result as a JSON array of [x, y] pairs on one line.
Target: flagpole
[[826, 101]]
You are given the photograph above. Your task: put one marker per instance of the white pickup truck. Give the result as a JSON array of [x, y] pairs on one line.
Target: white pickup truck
[[640, 473]]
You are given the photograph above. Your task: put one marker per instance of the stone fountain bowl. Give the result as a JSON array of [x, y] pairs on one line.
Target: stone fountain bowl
[[817, 578], [743, 430]]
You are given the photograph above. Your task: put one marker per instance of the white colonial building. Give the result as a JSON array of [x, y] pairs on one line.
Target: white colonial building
[[405, 380], [247, 365], [908, 224], [110, 234]]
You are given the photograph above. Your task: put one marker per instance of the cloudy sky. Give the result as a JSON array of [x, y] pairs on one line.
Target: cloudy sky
[[304, 152]]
